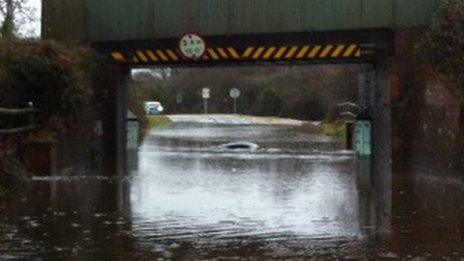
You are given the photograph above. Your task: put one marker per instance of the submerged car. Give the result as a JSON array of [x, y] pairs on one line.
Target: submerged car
[[240, 146], [153, 108]]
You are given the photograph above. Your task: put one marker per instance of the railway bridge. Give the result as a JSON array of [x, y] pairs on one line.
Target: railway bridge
[[147, 33]]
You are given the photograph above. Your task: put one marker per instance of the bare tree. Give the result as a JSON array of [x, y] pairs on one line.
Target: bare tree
[[18, 16]]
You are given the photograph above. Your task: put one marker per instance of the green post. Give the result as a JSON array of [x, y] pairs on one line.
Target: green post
[[363, 144]]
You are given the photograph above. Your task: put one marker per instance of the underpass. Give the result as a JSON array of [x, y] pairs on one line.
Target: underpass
[[182, 197]]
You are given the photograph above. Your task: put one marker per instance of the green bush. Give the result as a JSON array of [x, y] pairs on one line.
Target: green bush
[[442, 45], [337, 130], [158, 121], [271, 101], [57, 79], [302, 92]]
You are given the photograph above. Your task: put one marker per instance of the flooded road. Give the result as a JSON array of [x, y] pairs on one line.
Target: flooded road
[[295, 197]]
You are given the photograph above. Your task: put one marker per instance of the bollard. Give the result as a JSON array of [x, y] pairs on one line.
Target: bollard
[[363, 144]]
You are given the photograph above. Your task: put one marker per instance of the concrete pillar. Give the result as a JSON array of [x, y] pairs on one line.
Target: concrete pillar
[[382, 146], [365, 91], [122, 99], [366, 207], [375, 105], [113, 92]]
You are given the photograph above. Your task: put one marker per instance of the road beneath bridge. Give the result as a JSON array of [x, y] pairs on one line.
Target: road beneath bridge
[[297, 196]]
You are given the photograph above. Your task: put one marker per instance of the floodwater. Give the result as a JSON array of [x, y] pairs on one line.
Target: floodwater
[[297, 197]]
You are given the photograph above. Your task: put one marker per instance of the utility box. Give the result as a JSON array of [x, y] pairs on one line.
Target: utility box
[[132, 123], [363, 140]]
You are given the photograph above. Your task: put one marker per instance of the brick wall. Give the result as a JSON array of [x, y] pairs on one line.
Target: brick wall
[[427, 130]]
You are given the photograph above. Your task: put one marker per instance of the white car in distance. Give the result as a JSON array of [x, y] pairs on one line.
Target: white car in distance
[[153, 108]]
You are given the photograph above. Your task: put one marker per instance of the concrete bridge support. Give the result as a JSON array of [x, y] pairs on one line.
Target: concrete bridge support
[[113, 95], [382, 147], [122, 107], [375, 102]]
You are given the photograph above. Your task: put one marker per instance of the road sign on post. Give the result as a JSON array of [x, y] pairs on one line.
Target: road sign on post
[[206, 94], [179, 98], [235, 94]]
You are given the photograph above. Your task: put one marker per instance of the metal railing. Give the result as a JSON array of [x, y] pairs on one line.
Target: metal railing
[[9, 118]]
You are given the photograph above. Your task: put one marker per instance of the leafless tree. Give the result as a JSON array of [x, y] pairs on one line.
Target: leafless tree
[[18, 18]]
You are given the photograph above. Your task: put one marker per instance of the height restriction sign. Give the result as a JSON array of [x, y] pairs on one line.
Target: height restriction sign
[[192, 46]]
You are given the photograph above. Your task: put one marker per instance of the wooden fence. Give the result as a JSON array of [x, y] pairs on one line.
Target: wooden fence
[[17, 121]]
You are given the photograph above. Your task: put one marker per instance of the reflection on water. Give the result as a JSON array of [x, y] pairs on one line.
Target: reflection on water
[[295, 197]]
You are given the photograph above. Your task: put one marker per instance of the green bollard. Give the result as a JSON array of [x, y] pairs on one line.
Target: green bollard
[[363, 143]]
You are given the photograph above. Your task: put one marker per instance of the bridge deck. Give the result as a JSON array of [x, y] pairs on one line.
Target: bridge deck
[[118, 20]]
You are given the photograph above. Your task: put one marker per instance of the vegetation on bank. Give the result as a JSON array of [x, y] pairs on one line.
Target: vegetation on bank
[[54, 78], [140, 94], [441, 48], [2, 190], [57, 79], [298, 92], [336, 130], [158, 121], [442, 45]]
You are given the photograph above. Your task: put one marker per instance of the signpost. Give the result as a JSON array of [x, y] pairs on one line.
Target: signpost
[[179, 101], [192, 46], [235, 94], [206, 94], [179, 98]]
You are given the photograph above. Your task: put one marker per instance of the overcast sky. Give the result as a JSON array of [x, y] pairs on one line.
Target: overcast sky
[[34, 29], [36, 3]]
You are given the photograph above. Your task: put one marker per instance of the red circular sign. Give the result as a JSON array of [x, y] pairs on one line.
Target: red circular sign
[[192, 46]]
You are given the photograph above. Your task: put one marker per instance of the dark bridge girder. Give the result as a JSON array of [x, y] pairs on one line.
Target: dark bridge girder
[[352, 46]]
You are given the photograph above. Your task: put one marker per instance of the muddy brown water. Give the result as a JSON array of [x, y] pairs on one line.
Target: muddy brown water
[[297, 197]]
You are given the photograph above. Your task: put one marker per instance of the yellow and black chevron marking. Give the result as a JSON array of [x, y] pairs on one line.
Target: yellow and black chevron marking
[[305, 52], [251, 53]]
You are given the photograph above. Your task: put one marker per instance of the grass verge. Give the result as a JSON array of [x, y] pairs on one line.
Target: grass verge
[[158, 121], [336, 130]]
